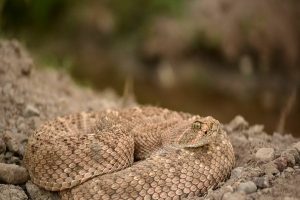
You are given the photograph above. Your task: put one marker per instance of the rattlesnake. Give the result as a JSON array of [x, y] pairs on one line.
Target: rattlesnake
[[133, 153]]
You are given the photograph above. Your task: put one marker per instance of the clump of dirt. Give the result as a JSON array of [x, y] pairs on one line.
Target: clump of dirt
[[267, 166]]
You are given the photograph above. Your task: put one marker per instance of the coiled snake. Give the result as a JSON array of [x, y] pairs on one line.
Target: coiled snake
[[132, 153]]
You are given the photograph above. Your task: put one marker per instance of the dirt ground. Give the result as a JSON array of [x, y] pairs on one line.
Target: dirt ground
[[267, 167]]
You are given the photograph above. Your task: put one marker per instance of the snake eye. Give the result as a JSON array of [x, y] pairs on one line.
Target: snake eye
[[196, 125]]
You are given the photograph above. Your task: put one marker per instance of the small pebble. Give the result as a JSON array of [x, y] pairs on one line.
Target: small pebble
[[256, 172], [265, 154], [256, 129], [31, 110], [35, 122], [13, 160], [7, 89], [36, 193], [19, 100], [234, 196], [22, 127], [289, 170], [262, 182], [1, 124], [8, 155], [247, 187], [228, 188], [281, 163], [2, 146], [2, 158], [294, 152], [237, 172], [12, 192], [238, 123], [13, 174], [16, 142], [297, 146], [270, 169], [289, 157]]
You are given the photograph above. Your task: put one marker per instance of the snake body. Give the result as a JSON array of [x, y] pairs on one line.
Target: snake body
[[132, 153]]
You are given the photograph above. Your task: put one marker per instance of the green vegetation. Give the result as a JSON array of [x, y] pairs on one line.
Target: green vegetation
[[35, 14], [38, 15], [132, 15]]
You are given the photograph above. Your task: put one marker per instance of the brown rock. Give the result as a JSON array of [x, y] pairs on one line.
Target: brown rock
[[238, 123], [13, 174], [265, 154], [12, 192], [262, 182], [297, 146], [270, 169], [281, 163], [15, 142], [247, 187]]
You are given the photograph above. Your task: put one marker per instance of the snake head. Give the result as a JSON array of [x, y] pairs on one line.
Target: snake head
[[199, 131]]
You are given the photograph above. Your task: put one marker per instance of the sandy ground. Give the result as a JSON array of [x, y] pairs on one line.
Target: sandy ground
[[267, 165]]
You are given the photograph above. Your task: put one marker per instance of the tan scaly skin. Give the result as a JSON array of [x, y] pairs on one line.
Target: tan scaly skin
[[91, 155]]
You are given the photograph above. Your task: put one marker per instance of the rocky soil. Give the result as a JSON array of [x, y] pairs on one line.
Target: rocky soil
[[268, 166]]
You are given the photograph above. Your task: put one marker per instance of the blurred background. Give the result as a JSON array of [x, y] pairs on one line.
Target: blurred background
[[210, 57]]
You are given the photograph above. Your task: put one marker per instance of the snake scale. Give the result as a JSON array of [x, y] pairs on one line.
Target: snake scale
[[131, 153]]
